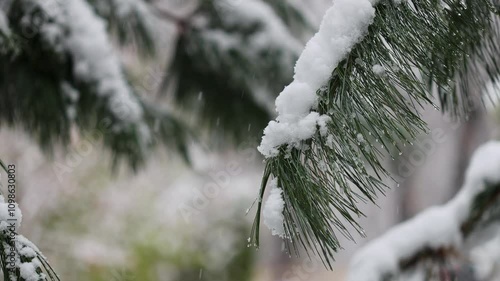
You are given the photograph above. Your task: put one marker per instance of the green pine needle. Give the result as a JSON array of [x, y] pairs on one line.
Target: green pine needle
[[11, 240], [33, 74], [374, 113], [135, 27], [223, 85]]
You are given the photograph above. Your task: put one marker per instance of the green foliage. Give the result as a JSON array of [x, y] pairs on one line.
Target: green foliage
[[485, 210], [16, 250], [36, 81], [237, 83], [223, 75], [376, 113], [219, 102], [130, 21], [293, 16], [484, 213], [189, 267]]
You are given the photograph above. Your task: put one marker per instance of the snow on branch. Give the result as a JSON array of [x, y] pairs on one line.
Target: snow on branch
[[248, 37], [354, 100], [20, 259], [436, 230], [62, 50], [133, 21], [95, 60], [344, 25]]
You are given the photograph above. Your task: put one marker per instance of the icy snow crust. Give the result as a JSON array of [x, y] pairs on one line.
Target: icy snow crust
[[435, 228], [343, 25]]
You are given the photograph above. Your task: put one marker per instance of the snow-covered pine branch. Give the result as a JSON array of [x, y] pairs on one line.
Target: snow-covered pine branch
[[62, 52], [355, 97], [20, 259], [132, 21], [295, 14], [438, 229], [248, 38]]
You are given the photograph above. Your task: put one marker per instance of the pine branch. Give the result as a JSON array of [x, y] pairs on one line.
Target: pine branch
[[20, 259], [132, 21], [229, 60], [478, 213], [30, 264], [65, 74], [367, 108], [293, 16], [440, 233]]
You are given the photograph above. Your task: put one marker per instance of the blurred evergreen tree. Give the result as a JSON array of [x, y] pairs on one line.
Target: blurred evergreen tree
[[358, 89], [59, 69]]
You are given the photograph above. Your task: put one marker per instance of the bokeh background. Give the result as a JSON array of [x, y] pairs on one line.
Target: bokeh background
[[172, 220]]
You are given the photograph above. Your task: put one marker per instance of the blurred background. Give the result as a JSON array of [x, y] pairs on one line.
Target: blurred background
[[183, 212]]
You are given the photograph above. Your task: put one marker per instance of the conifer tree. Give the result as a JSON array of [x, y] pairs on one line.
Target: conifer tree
[[359, 82], [227, 63], [60, 71], [20, 259]]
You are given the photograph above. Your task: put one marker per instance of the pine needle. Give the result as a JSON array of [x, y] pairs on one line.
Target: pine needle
[[374, 113]]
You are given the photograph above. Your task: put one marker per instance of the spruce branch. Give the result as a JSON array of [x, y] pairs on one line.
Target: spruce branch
[[371, 101]]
